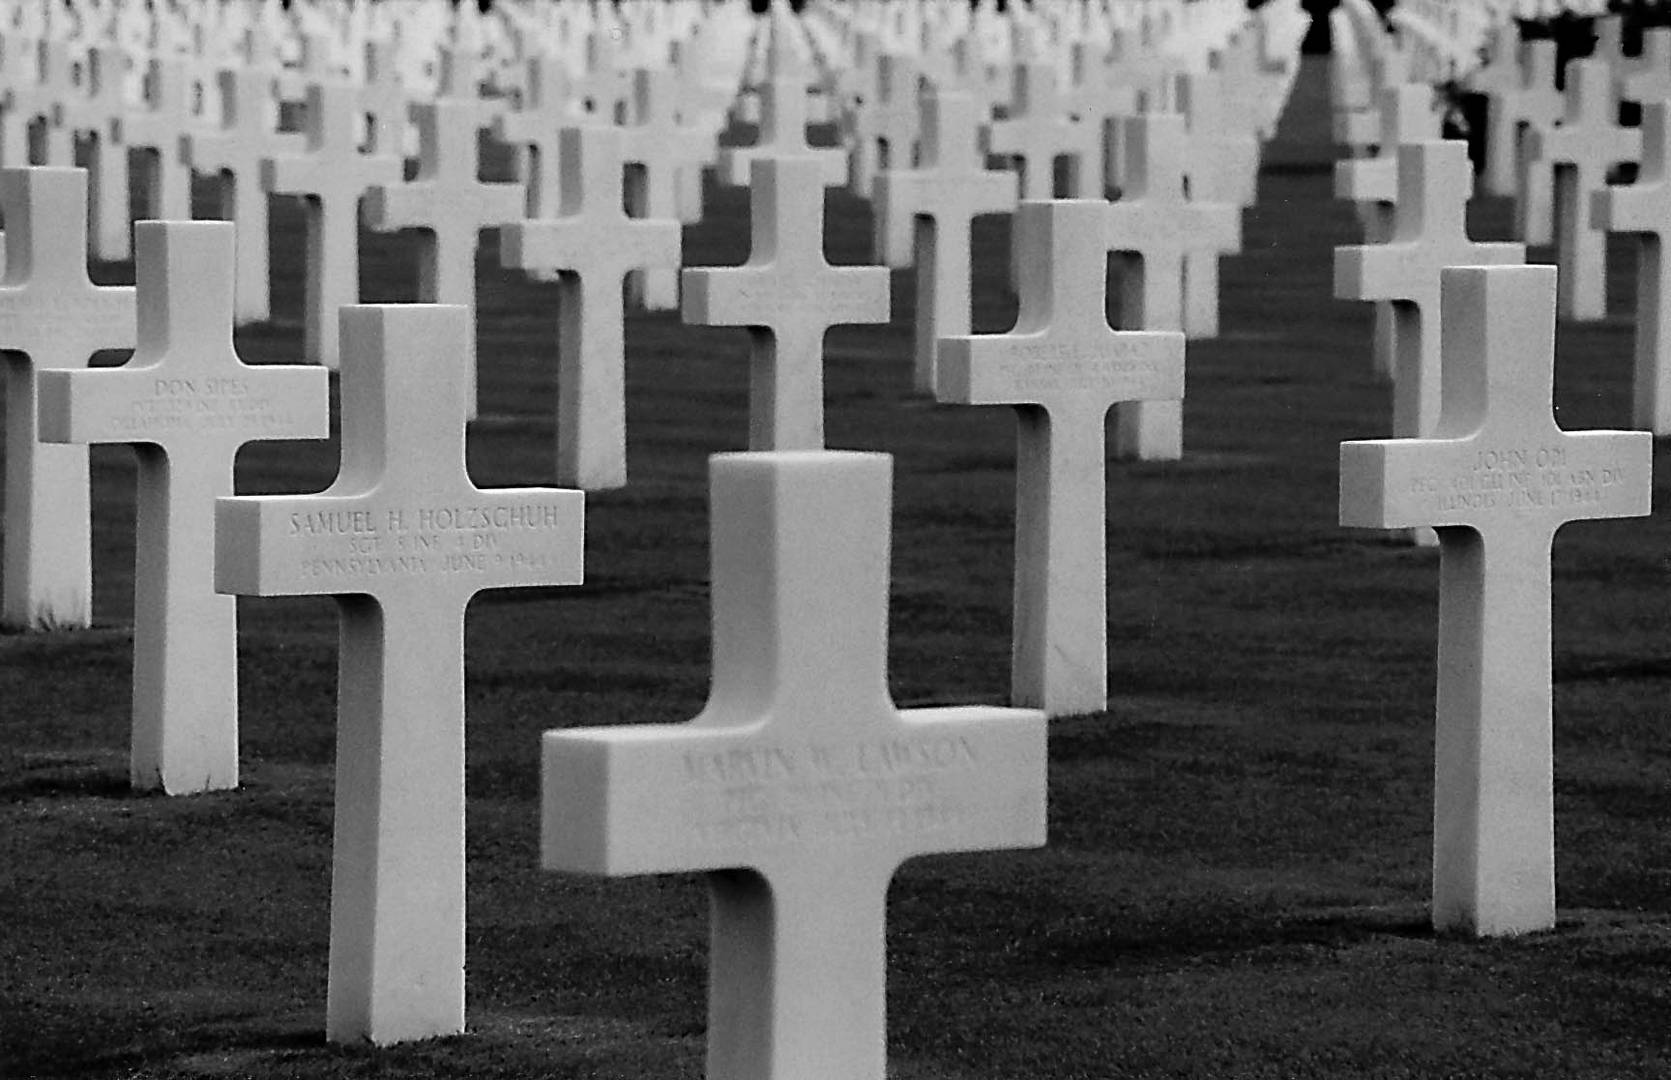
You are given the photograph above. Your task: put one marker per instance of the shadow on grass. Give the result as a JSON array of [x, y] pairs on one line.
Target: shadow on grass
[[232, 1047], [1199, 935], [72, 783]]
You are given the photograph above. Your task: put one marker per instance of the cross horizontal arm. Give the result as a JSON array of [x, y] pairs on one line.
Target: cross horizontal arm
[[326, 544], [694, 797], [1405, 483], [145, 405], [1025, 369], [614, 246], [767, 295]]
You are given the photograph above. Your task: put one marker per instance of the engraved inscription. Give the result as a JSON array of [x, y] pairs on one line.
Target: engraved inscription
[[212, 404], [423, 540], [1524, 479], [803, 793], [1112, 366], [834, 296], [31, 317]]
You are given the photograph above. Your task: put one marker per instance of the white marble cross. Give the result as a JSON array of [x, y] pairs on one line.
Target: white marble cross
[[1253, 93], [886, 120], [801, 787], [783, 120], [1643, 209], [187, 404], [1039, 130], [1647, 78], [156, 131], [662, 148], [51, 316], [450, 207], [1151, 229], [331, 176], [403, 539], [788, 297], [1587, 143], [1497, 478], [1429, 233], [386, 102], [1510, 115], [932, 207], [233, 155], [532, 130], [1221, 164], [1062, 367], [95, 117], [592, 245], [34, 108], [601, 85], [1405, 111]]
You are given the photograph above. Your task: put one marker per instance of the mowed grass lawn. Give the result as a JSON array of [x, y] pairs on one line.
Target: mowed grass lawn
[[1237, 877]]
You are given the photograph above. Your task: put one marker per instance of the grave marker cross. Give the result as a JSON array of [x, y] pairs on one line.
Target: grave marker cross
[[936, 205], [1429, 233], [403, 539], [34, 108], [233, 154], [1406, 115], [1152, 228], [187, 404], [331, 176], [1039, 131], [1510, 116], [384, 100], [450, 207], [1647, 79], [1221, 164], [800, 788], [783, 120], [662, 148], [533, 130], [788, 297], [1588, 141], [157, 130], [1063, 367], [96, 117], [887, 118], [592, 245], [1497, 478], [51, 316], [1644, 209]]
